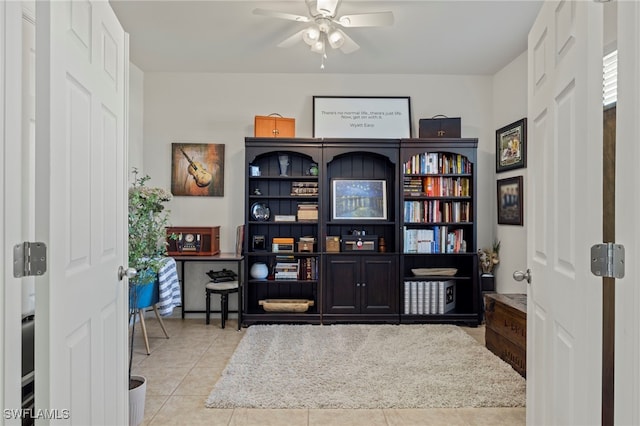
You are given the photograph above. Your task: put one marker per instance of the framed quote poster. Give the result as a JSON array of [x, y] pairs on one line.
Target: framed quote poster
[[361, 117]]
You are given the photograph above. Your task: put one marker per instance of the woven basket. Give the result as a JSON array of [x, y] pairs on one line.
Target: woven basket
[[286, 305]]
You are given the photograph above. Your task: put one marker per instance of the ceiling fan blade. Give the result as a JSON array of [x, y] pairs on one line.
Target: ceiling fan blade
[[291, 40], [374, 19], [349, 45], [327, 7], [281, 15]]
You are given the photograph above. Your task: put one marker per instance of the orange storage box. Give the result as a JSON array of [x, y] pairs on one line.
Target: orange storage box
[[274, 126]]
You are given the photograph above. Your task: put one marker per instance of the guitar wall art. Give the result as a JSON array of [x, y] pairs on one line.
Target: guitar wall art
[[197, 169]]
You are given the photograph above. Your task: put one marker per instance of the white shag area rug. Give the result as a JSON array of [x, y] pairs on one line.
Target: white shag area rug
[[364, 366]]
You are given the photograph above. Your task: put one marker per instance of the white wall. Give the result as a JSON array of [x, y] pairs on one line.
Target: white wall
[[136, 119], [220, 108], [509, 105]]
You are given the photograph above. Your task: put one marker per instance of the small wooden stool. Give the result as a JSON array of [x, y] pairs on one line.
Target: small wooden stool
[[223, 289]]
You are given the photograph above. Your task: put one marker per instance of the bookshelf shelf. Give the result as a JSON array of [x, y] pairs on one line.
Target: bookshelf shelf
[[439, 231]]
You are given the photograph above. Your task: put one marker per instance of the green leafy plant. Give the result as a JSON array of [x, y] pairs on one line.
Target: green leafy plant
[[148, 220]]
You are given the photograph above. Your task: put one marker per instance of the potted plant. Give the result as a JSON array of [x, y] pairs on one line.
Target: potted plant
[[147, 248], [489, 259]]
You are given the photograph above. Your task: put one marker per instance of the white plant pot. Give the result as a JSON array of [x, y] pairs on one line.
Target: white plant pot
[[137, 396]]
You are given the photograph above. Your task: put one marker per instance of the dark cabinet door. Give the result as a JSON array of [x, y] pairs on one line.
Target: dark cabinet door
[[361, 285], [342, 275], [378, 285]]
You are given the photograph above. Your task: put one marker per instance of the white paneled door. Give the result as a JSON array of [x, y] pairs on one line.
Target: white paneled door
[[81, 305], [564, 213]]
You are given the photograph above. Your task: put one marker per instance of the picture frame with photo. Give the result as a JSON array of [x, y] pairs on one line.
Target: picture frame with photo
[[510, 193], [511, 146]]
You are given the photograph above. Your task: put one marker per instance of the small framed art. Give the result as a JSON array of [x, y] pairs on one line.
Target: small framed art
[[511, 146], [197, 169], [510, 201]]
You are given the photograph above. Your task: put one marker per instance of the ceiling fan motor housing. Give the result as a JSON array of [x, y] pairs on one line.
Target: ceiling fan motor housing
[[323, 8]]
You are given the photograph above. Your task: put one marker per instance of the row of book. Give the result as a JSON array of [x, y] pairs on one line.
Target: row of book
[[290, 268], [437, 211], [436, 186], [429, 297], [439, 239], [435, 162]]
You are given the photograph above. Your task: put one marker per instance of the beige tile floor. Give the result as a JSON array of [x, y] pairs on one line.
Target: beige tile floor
[[182, 370]]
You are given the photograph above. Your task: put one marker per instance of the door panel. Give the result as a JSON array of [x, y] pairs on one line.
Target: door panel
[[378, 288], [80, 210], [564, 205], [342, 295]]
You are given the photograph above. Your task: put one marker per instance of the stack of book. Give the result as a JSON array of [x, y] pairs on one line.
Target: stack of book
[[286, 268]]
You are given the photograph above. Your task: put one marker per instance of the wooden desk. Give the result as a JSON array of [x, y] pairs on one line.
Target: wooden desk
[[506, 328], [221, 257]]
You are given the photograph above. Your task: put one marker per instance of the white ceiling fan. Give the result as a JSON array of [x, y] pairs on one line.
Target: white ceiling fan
[[326, 26]]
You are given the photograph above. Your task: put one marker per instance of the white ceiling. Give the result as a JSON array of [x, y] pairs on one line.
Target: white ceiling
[[428, 36]]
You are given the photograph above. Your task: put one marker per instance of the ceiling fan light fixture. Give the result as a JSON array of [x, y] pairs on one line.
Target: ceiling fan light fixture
[[336, 39], [318, 46], [311, 35]]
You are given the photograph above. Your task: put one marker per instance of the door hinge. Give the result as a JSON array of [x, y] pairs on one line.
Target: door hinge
[[29, 259], [607, 260]]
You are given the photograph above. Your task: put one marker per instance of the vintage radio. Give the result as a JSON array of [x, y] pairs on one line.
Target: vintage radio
[[193, 241], [359, 243]]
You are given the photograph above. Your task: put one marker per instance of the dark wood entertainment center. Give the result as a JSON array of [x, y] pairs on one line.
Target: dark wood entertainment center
[[363, 261]]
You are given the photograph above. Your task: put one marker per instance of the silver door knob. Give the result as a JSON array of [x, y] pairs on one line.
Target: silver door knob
[[519, 276], [128, 272]]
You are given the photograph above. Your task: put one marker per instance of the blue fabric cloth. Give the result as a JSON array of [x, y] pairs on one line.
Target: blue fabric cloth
[[169, 287]]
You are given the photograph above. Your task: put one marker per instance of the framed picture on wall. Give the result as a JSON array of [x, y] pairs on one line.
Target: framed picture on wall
[[357, 199], [362, 117], [510, 201], [197, 169], [511, 146]]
